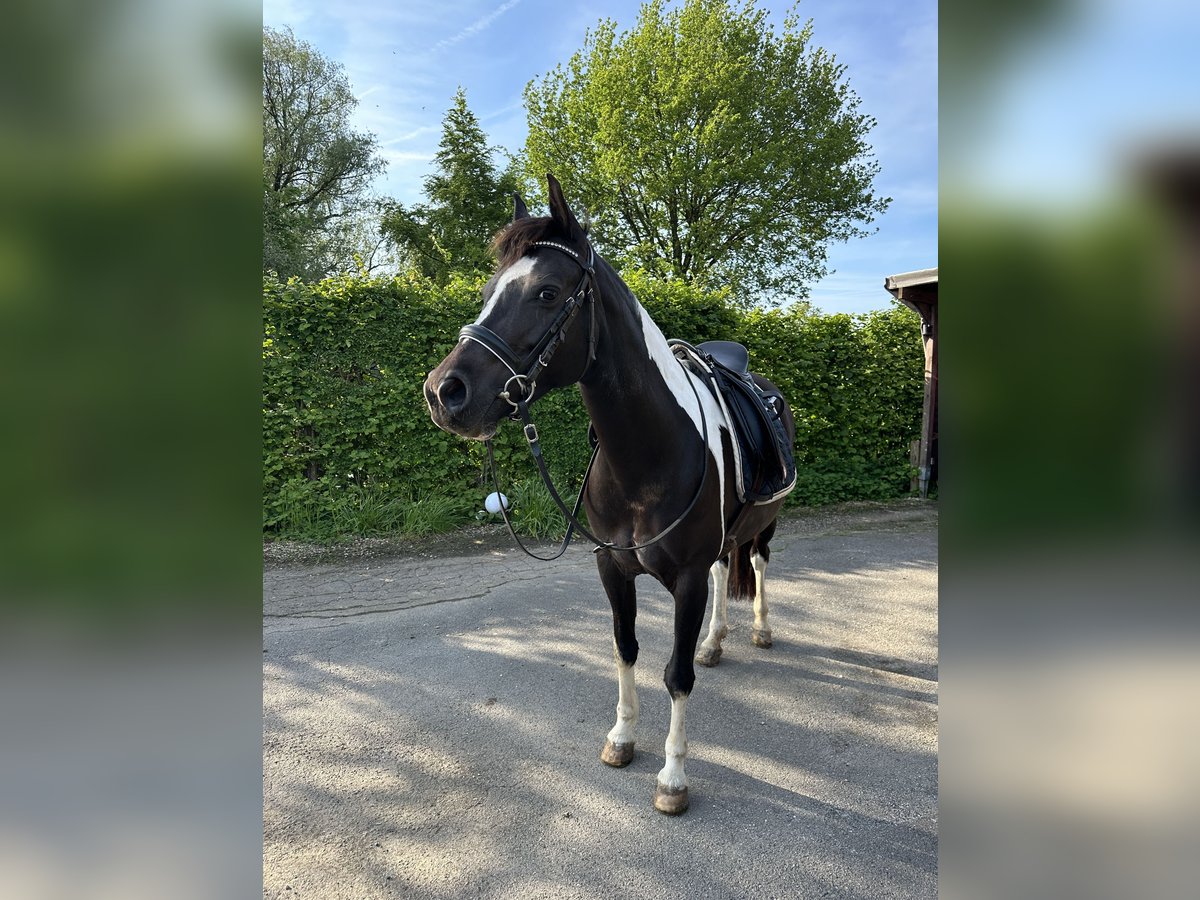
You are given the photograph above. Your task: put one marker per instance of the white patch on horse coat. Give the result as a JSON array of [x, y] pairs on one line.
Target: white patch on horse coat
[[627, 703], [679, 383], [515, 272], [672, 775], [760, 591], [739, 480], [718, 625]]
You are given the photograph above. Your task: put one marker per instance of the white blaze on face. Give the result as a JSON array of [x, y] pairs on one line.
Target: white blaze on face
[[627, 704], [672, 776], [513, 274], [679, 383]]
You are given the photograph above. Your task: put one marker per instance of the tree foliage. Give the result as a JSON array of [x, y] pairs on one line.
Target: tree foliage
[[707, 147], [468, 200], [316, 169]]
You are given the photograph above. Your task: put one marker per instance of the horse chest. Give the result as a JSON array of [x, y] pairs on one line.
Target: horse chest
[[655, 563]]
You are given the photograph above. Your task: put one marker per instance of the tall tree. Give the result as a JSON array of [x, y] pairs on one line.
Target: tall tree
[[316, 169], [707, 147], [468, 200]]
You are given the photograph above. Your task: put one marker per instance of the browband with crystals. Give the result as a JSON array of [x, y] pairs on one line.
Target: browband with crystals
[[589, 267]]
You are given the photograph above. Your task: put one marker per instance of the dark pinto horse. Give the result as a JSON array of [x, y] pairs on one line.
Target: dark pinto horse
[[553, 315]]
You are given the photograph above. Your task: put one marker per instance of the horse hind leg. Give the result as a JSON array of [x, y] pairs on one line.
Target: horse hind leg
[[760, 555], [709, 653]]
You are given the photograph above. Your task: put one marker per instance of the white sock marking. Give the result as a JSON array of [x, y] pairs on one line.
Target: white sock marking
[[627, 703], [718, 624], [760, 591], [672, 775]]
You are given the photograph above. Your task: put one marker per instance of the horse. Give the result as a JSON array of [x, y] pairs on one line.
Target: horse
[[660, 496]]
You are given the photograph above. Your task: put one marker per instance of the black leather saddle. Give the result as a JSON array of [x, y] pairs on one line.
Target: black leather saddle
[[768, 465], [730, 354]]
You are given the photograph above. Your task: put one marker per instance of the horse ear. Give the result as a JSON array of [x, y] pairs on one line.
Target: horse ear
[[559, 211], [519, 209]]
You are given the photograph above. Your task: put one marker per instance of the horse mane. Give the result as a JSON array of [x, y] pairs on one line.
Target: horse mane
[[514, 240]]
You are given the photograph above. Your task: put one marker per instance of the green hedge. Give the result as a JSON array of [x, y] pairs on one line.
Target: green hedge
[[349, 446]]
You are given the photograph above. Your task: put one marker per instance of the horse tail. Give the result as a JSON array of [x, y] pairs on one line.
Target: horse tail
[[741, 573]]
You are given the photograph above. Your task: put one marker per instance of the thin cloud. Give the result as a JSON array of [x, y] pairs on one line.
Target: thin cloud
[[404, 156], [477, 26], [410, 135], [502, 111]]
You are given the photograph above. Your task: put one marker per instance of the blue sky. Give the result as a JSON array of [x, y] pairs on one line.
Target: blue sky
[[406, 59]]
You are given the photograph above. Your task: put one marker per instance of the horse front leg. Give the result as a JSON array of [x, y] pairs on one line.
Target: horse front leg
[[618, 748], [718, 625], [691, 596]]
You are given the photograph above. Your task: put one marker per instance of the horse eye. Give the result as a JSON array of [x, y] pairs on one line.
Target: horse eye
[[548, 294]]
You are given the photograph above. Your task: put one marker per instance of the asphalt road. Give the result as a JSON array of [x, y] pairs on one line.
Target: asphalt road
[[432, 729]]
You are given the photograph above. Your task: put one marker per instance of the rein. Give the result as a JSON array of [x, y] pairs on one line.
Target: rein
[[533, 364]]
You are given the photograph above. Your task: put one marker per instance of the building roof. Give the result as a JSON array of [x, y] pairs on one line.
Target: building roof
[[896, 283], [917, 290]]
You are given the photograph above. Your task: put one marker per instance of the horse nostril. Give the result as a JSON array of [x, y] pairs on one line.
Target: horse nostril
[[452, 393]]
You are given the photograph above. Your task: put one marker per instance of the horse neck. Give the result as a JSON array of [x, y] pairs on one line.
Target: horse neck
[[639, 422]]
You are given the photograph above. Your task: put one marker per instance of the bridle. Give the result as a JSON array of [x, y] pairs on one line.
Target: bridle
[[525, 370]]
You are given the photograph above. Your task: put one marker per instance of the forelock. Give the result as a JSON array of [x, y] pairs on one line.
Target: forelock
[[515, 240]]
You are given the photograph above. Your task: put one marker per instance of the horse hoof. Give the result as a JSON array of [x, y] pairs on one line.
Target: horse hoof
[[617, 755], [761, 637], [706, 657], [672, 801]]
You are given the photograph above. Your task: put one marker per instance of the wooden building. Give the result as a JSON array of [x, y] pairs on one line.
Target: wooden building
[[919, 292]]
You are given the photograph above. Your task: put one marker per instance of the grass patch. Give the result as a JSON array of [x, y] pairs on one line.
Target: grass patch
[[308, 514], [304, 517], [534, 511], [364, 511], [430, 514]]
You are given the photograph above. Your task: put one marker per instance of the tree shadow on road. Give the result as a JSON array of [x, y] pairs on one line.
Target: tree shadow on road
[[812, 766]]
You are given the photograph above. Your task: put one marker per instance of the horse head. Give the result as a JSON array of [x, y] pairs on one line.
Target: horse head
[[536, 331]]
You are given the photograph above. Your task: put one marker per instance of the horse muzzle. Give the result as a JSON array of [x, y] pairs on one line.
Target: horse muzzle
[[456, 407]]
